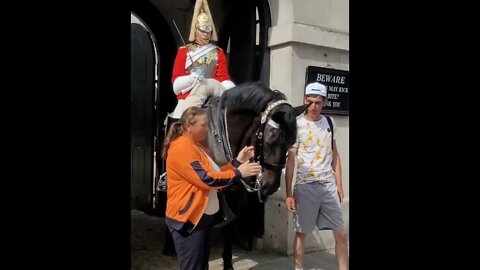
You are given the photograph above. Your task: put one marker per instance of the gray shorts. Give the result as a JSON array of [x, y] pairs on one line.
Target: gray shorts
[[317, 204]]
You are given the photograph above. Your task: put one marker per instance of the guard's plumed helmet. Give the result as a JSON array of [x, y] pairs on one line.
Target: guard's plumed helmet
[[202, 19]]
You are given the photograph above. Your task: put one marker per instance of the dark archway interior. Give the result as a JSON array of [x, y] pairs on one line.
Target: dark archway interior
[[236, 23]]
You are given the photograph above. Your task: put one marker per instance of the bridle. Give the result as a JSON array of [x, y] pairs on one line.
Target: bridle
[[259, 139], [259, 156]]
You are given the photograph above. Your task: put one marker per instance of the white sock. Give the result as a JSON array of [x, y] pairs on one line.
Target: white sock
[[298, 268]]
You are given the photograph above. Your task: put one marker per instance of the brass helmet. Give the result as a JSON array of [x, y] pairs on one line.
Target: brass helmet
[[202, 19]]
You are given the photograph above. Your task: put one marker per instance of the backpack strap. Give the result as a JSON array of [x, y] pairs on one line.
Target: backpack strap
[[329, 120]]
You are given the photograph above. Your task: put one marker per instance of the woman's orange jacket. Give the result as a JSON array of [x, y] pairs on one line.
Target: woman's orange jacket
[[190, 176]]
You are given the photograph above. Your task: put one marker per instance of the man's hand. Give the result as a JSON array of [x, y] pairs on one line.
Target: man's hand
[[340, 194], [290, 204]]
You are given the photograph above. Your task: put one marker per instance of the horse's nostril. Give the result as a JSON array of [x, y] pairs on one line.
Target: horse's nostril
[[266, 191]]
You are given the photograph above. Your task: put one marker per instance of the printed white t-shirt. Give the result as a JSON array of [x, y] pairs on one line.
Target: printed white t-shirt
[[314, 149]]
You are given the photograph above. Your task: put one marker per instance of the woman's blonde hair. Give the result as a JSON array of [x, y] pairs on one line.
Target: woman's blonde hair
[[189, 116]]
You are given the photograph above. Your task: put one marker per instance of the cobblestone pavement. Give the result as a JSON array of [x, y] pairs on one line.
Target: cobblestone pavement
[[147, 242]]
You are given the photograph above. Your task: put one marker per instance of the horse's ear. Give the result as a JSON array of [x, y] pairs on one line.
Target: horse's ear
[[300, 109]]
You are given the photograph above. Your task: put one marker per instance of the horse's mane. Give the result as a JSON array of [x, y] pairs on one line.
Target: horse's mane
[[285, 116], [254, 96], [249, 96]]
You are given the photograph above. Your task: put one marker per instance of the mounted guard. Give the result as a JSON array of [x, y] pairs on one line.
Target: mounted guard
[[200, 69]]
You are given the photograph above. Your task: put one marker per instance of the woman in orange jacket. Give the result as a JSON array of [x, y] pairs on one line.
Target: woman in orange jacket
[[193, 180]]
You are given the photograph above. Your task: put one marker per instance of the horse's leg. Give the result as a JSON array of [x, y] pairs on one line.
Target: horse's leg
[[227, 246], [228, 232], [244, 233]]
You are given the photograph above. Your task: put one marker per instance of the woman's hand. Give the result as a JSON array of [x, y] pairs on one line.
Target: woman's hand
[[249, 169], [246, 154]]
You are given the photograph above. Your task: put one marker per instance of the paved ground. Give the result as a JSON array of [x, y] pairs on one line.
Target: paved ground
[[147, 243]]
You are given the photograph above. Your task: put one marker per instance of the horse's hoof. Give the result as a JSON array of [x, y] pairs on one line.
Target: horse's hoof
[[229, 267]]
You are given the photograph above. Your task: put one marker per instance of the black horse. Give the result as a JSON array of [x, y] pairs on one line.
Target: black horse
[[251, 114]]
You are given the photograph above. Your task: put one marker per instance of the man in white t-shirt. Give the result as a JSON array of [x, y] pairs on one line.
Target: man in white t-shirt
[[318, 190]]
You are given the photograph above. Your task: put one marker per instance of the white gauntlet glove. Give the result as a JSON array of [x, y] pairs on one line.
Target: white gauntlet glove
[[195, 77], [183, 84]]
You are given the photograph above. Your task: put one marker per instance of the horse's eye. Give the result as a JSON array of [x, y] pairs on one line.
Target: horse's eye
[[271, 132]]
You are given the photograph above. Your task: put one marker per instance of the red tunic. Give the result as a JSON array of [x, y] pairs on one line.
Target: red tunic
[[220, 72]]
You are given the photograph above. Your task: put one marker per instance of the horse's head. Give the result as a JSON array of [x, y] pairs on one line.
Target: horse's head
[[275, 135], [258, 116]]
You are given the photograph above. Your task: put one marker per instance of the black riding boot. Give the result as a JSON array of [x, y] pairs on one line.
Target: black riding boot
[[227, 214]]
